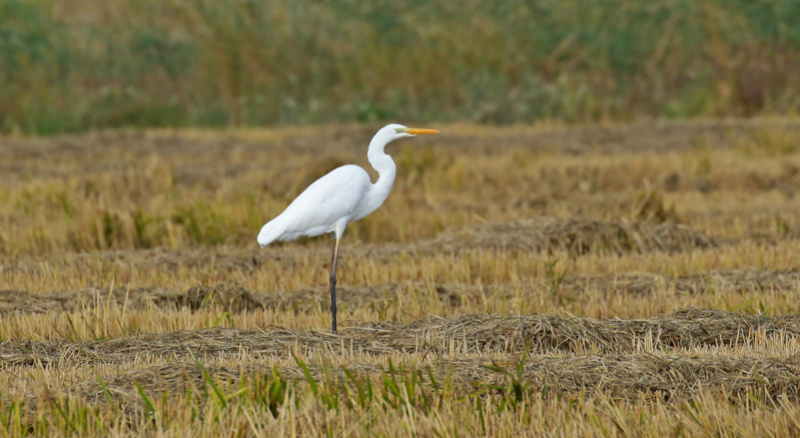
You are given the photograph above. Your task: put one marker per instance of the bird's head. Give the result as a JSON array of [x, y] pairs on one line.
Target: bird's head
[[394, 131]]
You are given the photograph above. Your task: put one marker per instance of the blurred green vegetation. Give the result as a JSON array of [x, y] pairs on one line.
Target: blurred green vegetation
[[83, 64]]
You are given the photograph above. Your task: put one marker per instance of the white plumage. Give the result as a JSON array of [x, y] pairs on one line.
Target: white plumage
[[333, 198], [344, 195]]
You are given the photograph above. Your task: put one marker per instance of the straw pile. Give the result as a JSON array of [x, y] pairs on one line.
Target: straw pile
[[467, 334], [576, 236]]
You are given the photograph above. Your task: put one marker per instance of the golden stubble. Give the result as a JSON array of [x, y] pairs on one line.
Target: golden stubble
[[126, 255]]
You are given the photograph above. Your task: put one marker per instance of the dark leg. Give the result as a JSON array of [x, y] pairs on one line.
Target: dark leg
[[334, 262]]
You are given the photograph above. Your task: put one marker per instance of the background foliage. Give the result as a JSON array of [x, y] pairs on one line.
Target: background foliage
[[80, 64]]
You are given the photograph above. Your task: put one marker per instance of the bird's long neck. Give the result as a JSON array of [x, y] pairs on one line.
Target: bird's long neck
[[386, 168]]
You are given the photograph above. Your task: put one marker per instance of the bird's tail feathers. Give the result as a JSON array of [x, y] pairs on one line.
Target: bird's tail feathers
[[270, 232]]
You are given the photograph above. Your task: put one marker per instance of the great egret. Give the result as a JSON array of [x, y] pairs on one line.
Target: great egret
[[344, 195]]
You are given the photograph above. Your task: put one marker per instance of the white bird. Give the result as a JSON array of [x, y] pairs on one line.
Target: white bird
[[344, 195]]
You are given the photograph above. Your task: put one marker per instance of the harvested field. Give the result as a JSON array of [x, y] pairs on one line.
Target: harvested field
[[576, 237], [468, 334], [617, 375], [602, 280], [231, 296]]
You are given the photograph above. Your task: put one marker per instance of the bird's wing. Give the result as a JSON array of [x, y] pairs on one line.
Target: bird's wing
[[316, 211]]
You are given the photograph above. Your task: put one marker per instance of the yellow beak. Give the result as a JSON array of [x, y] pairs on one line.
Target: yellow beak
[[416, 131]]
